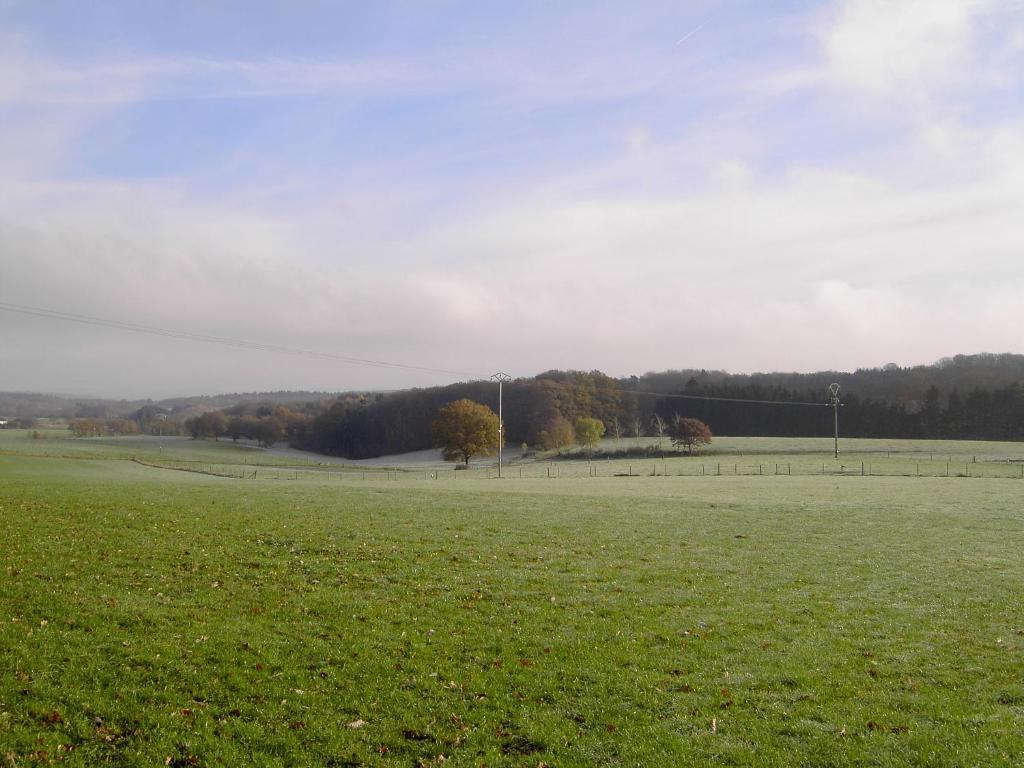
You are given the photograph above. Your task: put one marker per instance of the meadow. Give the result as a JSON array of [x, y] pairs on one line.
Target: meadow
[[316, 615]]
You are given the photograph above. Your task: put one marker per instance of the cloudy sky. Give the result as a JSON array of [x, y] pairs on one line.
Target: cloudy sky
[[505, 186]]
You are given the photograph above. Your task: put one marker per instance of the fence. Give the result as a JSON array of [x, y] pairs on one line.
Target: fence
[[746, 467]]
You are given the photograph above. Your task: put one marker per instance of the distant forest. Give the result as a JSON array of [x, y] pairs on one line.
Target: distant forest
[[964, 397]]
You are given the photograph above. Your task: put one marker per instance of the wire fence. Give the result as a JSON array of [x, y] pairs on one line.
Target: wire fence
[[882, 467]]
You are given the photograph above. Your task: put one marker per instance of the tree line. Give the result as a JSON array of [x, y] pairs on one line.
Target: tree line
[[977, 415], [543, 411], [540, 411], [464, 429]]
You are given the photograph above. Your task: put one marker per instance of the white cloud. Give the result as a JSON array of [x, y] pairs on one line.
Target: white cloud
[[618, 285], [882, 46], [745, 271], [718, 245]]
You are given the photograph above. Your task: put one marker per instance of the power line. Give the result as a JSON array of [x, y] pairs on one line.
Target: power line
[[124, 325], [720, 399]]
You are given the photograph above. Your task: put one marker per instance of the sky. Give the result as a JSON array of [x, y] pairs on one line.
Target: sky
[[480, 187]]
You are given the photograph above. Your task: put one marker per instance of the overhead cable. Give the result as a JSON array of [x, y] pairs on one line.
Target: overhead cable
[[237, 343], [125, 325], [719, 399]]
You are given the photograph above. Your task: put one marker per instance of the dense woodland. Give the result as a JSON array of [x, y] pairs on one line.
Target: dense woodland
[[968, 397], [977, 397]]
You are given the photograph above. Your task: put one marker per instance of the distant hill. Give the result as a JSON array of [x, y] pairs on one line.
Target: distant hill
[[34, 405]]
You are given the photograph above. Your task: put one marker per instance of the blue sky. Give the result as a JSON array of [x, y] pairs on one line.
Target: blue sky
[[484, 186]]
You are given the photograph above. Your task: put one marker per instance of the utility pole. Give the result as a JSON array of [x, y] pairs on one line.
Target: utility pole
[[501, 378], [833, 400]]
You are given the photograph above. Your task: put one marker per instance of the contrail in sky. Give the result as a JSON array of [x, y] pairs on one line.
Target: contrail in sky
[[692, 32]]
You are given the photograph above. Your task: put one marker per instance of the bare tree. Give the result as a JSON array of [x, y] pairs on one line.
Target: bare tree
[[638, 428], [659, 428], [616, 430]]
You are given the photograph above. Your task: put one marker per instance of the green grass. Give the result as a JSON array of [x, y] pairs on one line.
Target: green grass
[[59, 443], [795, 446], [152, 617]]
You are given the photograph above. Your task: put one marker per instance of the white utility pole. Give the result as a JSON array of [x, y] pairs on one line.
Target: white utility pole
[[833, 400], [501, 378]]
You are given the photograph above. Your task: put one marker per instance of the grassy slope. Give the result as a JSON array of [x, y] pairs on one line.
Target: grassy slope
[[147, 615], [58, 443]]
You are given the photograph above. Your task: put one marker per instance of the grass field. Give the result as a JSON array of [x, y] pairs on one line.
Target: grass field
[[58, 443], [159, 617]]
